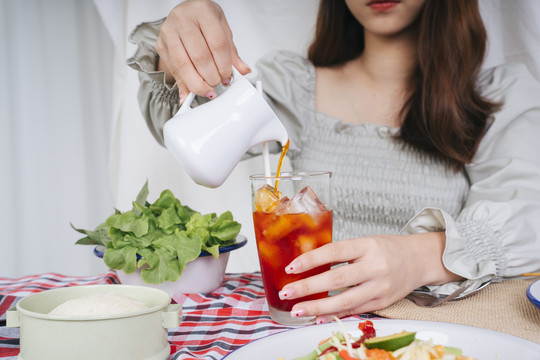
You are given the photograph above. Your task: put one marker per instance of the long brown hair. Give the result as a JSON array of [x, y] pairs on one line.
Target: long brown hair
[[444, 113]]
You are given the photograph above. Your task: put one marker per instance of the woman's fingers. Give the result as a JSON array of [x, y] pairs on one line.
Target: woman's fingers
[[182, 88], [207, 48], [195, 45], [218, 38], [224, 55], [335, 279], [333, 253], [237, 62], [356, 300], [171, 47], [377, 274], [183, 91], [374, 277]]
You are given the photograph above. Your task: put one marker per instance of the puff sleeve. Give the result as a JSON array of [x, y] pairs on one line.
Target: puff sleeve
[[497, 233], [158, 100]]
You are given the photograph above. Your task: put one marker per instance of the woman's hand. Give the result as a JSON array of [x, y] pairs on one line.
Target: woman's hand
[[379, 271], [196, 48]]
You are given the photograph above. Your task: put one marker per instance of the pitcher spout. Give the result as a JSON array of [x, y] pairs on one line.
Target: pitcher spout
[[283, 137], [281, 134], [271, 131]]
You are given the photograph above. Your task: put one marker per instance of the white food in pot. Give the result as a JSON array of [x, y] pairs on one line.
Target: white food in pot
[[99, 304]]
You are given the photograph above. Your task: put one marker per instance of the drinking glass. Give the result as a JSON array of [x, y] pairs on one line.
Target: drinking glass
[[292, 214]]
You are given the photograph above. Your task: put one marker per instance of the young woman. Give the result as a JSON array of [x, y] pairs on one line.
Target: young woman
[[436, 164]]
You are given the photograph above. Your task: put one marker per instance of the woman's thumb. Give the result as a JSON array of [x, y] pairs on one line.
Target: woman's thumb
[[240, 65]]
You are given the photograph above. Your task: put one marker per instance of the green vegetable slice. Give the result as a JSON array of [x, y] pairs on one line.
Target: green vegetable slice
[[390, 342], [453, 350]]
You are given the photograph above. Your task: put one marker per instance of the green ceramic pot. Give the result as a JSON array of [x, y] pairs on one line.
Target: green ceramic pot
[[135, 335]]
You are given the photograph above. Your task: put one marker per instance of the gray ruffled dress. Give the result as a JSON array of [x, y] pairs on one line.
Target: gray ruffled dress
[[490, 211]]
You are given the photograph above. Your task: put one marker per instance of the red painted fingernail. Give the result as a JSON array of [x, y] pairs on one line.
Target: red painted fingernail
[[286, 293], [291, 268], [298, 313], [323, 320], [211, 94]]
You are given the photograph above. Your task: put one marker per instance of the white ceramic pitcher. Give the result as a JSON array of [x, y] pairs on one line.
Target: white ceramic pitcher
[[209, 140]]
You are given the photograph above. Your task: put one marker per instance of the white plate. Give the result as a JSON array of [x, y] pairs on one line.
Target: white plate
[[533, 293], [476, 342]]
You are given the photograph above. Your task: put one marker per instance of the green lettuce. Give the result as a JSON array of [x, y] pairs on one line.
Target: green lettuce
[[160, 238]]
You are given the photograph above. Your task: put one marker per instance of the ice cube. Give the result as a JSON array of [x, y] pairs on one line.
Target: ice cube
[[305, 201], [279, 228], [305, 243], [267, 198], [282, 206]]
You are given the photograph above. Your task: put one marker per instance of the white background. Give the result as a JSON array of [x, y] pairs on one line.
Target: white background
[[73, 145]]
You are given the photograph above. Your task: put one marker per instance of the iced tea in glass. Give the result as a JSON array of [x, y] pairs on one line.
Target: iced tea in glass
[[292, 214]]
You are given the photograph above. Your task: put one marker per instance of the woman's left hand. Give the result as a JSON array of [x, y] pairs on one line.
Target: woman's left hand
[[377, 272]]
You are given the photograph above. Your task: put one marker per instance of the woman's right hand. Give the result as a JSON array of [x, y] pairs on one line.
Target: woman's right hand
[[196, 48]]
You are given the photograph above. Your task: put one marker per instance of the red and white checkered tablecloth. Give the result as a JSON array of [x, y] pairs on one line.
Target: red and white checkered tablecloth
[[212, 325]]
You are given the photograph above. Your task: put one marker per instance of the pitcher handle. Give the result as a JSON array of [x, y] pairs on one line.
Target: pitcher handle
[[186, 106]]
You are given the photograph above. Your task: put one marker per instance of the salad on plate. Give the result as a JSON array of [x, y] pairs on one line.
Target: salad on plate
[[342, 345]]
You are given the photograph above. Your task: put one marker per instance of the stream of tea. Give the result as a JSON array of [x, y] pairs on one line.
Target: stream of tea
[[284, 150]]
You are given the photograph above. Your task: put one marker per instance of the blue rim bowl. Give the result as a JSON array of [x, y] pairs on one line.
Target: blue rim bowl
[[533, 298]]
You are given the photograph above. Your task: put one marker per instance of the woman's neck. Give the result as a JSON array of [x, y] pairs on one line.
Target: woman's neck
[[389, 60], [371, 88]]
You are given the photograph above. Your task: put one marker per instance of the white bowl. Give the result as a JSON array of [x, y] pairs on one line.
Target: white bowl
[[202, 275]]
